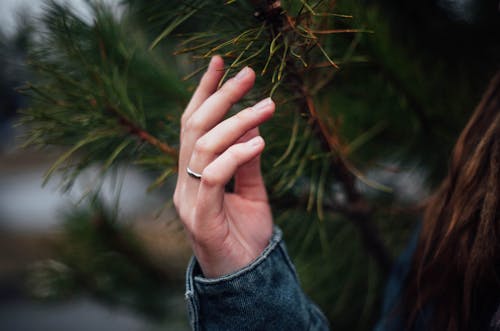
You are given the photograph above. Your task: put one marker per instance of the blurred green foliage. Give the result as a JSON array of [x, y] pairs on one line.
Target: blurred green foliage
[[409, 75], [100, 257]]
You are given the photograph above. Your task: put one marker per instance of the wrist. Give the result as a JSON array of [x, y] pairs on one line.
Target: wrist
[[232, 257]]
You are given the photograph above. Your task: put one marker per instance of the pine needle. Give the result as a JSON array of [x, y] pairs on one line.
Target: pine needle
[[291, 142], [160, 179], [115, 153], [90, 138], [178, 21]]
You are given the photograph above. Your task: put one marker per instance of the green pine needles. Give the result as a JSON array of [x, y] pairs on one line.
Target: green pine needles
[[105, 97], [109, 98], [110, 91], [291, 46], [272, 39], [101, 95]]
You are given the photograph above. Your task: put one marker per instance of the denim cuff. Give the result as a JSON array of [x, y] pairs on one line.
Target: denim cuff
[[265, 295]]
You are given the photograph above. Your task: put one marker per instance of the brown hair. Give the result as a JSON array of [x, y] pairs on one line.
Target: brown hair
[[454, 272]]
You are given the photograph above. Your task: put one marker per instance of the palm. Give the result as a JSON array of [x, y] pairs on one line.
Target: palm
[[237, 237], [250, 218]]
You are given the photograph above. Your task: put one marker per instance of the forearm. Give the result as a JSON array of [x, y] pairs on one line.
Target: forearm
[[266, 295]]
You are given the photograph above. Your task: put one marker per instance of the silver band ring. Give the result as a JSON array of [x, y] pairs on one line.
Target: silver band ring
[[193, 174]]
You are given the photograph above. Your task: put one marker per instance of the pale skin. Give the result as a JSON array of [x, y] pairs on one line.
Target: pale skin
[[227, 231]]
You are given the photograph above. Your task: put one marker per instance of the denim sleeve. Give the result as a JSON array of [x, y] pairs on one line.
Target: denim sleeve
[[265, 295]]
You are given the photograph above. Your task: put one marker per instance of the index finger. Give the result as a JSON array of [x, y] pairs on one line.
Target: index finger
[[207, 86]]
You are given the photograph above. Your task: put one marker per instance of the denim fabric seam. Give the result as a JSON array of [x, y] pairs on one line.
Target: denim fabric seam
[[275, 240], [320, 313], [190, 296], [288, 261]]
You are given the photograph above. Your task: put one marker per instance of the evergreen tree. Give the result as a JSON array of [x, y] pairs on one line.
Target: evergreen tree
[[362, 88]]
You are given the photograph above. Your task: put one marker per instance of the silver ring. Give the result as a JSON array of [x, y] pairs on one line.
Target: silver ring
[[193, 174]]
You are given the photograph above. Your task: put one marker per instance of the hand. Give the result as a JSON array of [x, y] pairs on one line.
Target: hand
[[227, 230]]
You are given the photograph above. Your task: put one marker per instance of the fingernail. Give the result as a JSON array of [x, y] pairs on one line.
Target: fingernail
[[212, 60], [256, 141], [243, 72], [263, 104], [211, 63]]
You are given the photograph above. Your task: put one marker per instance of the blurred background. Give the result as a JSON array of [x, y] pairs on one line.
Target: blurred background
[[39, 289], [68, 264]]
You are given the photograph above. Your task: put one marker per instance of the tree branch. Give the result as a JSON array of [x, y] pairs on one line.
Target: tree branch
[[357, 209], [143, 134]]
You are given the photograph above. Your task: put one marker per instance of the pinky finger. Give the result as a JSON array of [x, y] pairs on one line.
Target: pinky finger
[[218, 173]]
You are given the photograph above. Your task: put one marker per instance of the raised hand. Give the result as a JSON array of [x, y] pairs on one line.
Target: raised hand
[[227, 230]]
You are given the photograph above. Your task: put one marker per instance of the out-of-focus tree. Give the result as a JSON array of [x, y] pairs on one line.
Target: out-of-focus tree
[[367, 91]]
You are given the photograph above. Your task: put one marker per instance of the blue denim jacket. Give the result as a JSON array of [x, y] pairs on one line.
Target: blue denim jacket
[[266, 295]]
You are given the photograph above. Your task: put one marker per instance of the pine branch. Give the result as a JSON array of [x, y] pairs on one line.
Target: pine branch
[[280, 25], [143, 134], [100, 90], [356, 207]]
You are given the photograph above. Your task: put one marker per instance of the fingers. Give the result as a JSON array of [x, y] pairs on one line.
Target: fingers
[[218, 149], [218, 173], [215, 107], [228, 132], [248, 181], [208, 85], [211, 111]]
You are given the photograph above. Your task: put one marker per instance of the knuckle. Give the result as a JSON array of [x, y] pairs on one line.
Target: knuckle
[[184, 119], [209, 178], [240, 116], [221, 93], [202, 146], [227, 94], [232, 154], [194, 124], [208, 181], [181, 206], [177, 200]]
